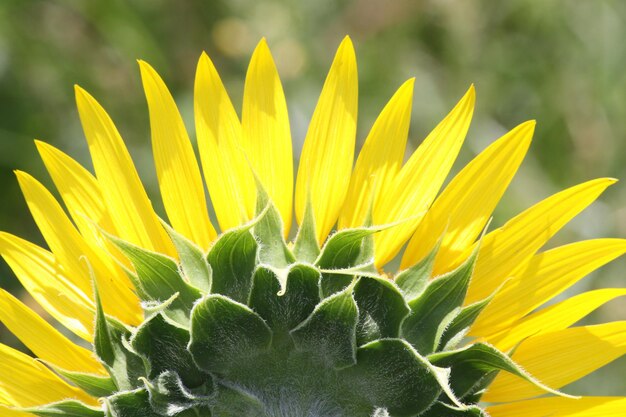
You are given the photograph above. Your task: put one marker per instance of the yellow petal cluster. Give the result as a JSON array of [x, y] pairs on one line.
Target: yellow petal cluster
[[377, 188]]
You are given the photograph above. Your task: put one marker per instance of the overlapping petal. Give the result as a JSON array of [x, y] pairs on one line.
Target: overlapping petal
[[266, 135], [218, 130], [415, 187], [127, 201], [328, 152], [176, 165]]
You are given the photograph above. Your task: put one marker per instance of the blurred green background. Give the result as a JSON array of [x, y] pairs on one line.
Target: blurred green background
[[559, 62]]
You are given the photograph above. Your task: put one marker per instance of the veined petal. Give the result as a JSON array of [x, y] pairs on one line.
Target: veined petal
[[560, 357], [43, 278], [328, 151], [465, 205], [545, 276], [44, 340], [37, 384], [556, 317], [177, 169], [505, 251], [79, 190], [218, 130], [418, 182], [83, 198], [127, 201], [562, 407], [69, 248], [380, 158], [266, 131]]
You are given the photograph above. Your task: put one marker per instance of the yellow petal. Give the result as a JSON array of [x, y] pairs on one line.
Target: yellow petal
[[556, 317], [464, 207], [126, 198], [562, 407], [44, 340], [69, 249], [380, 158], [418, 182], [43, 278], [10, 412], [546, 275], [510, 247], [79, 190], [266, 132], [560, 357], [83, 198], [328, 150], [36, 384], [218, 130], [179, 177]]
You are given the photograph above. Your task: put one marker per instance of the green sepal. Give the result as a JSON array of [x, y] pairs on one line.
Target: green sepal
[[390, 374], [92, 384], [306, 248], [233, 402], [134, 403], [330, 330], [382, 308], [284, 311], [68, 408], [169, 396], [163, 345], [435, 305], [346, 248], [222, 330], [123, 365], [414, 280], [158, 279], [193, 264], [233, 259], [440, 409], [269, 230], [462, 322], [471, 364]]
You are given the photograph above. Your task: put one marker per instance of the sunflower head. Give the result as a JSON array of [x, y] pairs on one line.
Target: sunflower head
[[255, 321]]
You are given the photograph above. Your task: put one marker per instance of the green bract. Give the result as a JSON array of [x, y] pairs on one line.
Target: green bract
[[255, 328]]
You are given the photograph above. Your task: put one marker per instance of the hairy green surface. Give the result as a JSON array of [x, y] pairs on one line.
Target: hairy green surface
[[254, 328]]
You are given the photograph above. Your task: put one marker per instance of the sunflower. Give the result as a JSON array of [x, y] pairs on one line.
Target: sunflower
[[183, 318]]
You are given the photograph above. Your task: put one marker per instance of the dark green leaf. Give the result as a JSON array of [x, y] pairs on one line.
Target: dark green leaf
[[233, 259], [269, 232], [170, 397], [330, 331], [223, 330], [124, 366], [67, 408], [381, 308], [164, 346], [470, 364], [440, 298], [158, 279], [130, 404], [193, 262], [94, 385], [285, 311], [390, 374], [306, 248]]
